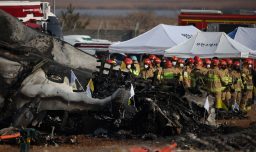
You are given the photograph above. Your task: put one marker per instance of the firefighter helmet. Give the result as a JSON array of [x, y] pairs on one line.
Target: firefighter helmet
[[168, 64], [248, 61], [236, 64], [223, 62], [229, 61], [215, 62], [152, 57], [128, 61], [147, 61], [191, 60], [174, 58], [208, 61], [197, 58], [180, 61], [157, 60]]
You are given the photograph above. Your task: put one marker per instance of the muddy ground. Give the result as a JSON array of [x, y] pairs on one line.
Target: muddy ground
[[231, 139], [232, 135], [91, 144]]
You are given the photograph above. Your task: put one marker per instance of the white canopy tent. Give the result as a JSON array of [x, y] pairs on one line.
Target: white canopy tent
[[156, 40], [208, 45], [245, 36]]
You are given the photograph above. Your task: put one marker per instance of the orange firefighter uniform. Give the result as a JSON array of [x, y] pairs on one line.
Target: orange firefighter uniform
[[158, 68], [226, 83], [237, 86], [187, 73], [148, 71], [214, 84], [248, 83]]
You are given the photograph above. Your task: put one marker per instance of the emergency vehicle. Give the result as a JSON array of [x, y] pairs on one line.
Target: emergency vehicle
[[87, 44], [216, 20], [34, 14]]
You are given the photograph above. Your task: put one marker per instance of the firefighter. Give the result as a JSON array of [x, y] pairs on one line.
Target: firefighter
[[125, 69], [226, 83], [197, 75], [229, 64], [174, 60], [208, 63], [206, 67], [148, 71], [247, 82], [128, 64], [180, 69], [237, 83], [170, 74], [152, 58], [214, 84], [158, 69], [168, 71], [135, 67], [187, 73], [197, 58]]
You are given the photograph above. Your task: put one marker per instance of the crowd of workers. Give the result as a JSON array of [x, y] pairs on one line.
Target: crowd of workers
[[229, 81]]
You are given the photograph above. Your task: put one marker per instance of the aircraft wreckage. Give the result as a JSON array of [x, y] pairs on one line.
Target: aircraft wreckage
[[35, 91]]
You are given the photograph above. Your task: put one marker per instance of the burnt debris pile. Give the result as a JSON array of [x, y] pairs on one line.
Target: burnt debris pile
[[39, 89]]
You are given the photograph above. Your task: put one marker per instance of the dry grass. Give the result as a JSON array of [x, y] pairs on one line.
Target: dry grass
[[121, 23], [158, 4]]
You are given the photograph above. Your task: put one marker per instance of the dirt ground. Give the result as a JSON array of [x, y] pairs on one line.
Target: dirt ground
[[86, 144], [244, 137]]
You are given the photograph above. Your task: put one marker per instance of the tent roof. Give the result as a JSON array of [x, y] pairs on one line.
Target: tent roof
[[245, 36], [156, 40], [208, 45]]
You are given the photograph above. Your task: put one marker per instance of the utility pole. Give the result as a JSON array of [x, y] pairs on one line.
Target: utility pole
[[53, 6]]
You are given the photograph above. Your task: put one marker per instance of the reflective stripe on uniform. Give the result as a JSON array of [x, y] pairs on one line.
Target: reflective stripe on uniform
[[168, 75], [225, 80], [135, 72], [213, 77], [249, 87]]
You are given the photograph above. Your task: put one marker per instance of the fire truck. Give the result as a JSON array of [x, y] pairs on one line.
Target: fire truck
[[216, 20], [36, 15]]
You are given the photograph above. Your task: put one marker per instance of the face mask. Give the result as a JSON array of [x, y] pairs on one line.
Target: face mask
[[128, 66], [208, 66], [174, 63], [181, 65], [146, 66], [250, 66]]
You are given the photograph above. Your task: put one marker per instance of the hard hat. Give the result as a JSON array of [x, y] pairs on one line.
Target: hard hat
[[236, 63], [191, 60], [180, 61], [215, 62], [134, 58], [157, 60], [111, 61], [147, 61], [174, 58], [128, 61], [229, 61], [196, 58], [152, 57], [248, 61], [168, 64], [208, 61], [199, 62], [223, 62]]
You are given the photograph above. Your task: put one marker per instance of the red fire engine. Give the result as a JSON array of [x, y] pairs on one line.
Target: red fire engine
[[37, 15], [215, 20]]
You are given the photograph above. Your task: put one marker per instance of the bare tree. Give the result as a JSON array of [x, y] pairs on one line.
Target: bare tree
[[71, 20], [145, 20]]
